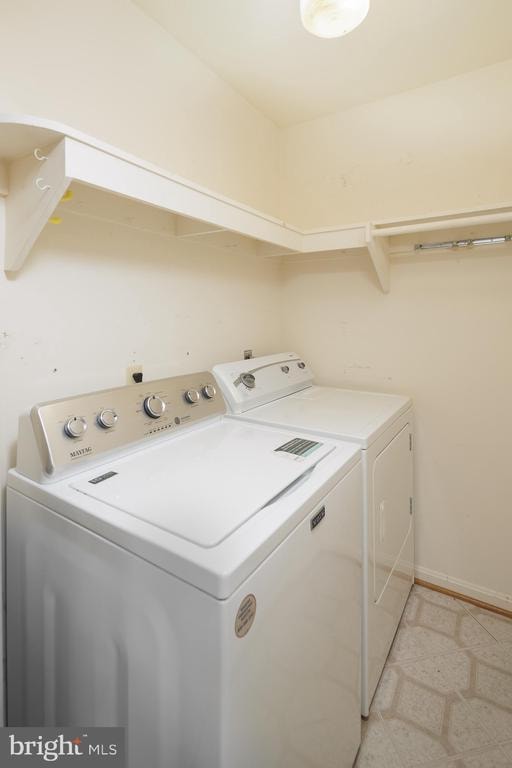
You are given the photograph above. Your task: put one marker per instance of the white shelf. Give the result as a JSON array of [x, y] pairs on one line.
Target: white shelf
[[32, 184]]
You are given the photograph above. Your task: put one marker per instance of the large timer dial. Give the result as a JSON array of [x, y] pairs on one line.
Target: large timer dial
[[75, 427], [154, 406]]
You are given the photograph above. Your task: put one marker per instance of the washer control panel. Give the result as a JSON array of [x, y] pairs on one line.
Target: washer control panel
[[68, 432]]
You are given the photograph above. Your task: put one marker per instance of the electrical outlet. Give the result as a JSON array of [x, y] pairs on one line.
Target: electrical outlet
[[131, 370]]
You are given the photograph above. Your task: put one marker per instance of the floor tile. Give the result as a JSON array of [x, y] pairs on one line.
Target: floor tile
[[497, 655], [426, 725], [446, 673], [489, 688], [438, 598], [376, 751], [499, 626], [445, 697], [486, 670], [493, 757], [495, 719], [387, 688], [433, 624]]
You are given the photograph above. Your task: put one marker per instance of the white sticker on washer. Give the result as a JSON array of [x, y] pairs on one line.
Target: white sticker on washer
[[245, 615]]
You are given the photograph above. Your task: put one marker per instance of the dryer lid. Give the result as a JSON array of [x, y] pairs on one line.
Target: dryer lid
[[344, 414], [204, 485]]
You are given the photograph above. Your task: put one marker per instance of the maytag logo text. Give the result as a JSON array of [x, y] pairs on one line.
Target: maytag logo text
[[80, 452]]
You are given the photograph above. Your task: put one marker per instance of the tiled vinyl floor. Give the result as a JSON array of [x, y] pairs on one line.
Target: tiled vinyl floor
[[445, 696]]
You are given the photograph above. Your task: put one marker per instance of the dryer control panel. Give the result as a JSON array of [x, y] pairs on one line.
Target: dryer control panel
[[260, 380], [88, 427]]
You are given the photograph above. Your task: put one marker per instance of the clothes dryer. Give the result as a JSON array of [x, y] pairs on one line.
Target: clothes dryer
[[279, 390]]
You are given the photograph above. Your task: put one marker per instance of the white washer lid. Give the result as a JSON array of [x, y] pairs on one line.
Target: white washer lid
[[344, 414], [205, 484]]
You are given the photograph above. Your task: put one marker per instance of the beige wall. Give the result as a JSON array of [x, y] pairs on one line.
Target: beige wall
[[442, 147], [107, 69], [74, 317], [443, 334]]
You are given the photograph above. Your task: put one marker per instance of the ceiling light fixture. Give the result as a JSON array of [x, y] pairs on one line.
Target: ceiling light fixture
[[333, 18]]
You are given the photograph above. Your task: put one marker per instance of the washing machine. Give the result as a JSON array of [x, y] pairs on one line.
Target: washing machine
[[280, 390], [189, 577]]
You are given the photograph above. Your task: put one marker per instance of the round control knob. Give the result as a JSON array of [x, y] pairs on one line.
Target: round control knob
[[248, 379], [75, 427], [107, 418], [192, 396], [154, 406], [301, 365], [285, 368], [209, 391]]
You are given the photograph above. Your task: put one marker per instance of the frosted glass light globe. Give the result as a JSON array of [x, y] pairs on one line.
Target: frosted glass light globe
[[333, 18]]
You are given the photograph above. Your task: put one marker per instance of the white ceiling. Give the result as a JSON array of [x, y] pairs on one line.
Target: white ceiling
[[261, 49]]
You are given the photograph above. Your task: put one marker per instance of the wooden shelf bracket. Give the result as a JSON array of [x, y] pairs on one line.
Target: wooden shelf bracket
[[378, 250], [35, 189]]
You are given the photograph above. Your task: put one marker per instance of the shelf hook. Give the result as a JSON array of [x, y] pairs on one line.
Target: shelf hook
[[42, 187], [38, 155]]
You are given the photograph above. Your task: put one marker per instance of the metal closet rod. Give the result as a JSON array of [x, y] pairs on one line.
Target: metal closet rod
[[466, 243]]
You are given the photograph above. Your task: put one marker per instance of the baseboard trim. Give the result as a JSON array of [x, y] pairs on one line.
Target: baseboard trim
[[461, 590]]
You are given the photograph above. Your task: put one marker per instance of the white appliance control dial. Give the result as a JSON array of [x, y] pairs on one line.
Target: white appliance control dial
[[107, 418], [285, 368], [154, 406], [248, 379], [75, 427], [301, 365], [192, 396], [209, 391]]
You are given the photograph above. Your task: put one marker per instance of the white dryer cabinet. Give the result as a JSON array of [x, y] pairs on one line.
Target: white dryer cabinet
[[278, 390], [388, 545]]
